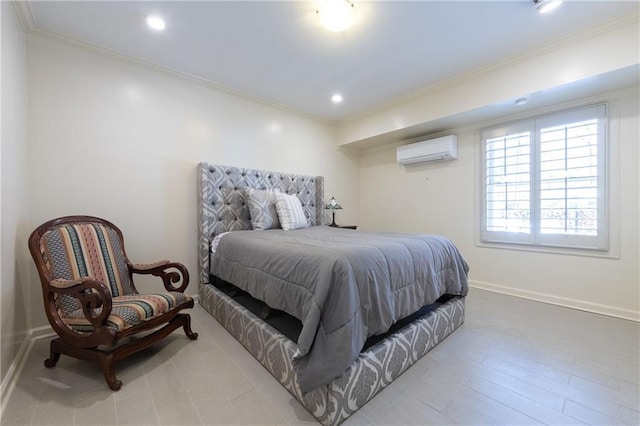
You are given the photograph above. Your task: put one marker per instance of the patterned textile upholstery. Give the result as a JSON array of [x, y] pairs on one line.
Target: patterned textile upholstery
[[374, 369], [85, 250], [129, 310], [262, 207]]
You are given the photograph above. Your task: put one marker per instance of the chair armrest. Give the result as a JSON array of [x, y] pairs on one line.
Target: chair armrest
[[140, 268], [96, 302], [61, 283], [170, 272]]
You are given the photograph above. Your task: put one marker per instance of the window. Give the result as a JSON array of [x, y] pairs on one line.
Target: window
[[543, 181]]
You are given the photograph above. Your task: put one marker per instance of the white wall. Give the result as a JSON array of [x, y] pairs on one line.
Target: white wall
[[14, 284], [121, 141], [588, 56], [442, 198]]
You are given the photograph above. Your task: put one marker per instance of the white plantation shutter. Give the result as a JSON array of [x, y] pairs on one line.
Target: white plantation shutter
[[571, 196], [544, 181], [508, 183]]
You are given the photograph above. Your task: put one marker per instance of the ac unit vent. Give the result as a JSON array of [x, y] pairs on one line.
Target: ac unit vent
[[440, 149]]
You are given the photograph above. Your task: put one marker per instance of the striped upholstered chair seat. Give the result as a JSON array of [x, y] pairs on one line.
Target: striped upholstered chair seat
[[91, 300], [129, 310]]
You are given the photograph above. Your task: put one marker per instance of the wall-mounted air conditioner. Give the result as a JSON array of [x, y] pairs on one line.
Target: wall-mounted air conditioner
[[440, 149]]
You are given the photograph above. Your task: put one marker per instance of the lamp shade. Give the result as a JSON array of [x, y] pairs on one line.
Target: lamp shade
[[333, 205]]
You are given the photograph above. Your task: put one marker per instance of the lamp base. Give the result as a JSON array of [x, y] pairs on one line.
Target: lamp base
[[333, 221]]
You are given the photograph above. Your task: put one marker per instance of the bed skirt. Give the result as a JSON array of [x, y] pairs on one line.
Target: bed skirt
[[369, 374]]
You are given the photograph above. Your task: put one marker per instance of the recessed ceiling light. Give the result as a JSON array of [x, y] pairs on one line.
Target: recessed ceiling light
[[545, 6], [337, 98], [521, 101], [156, 22]]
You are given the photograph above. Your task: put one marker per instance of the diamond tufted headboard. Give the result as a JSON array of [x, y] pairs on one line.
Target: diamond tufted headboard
[[222, 207]]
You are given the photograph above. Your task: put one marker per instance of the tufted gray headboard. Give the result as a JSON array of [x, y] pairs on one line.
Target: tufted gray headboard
[[222, 207]]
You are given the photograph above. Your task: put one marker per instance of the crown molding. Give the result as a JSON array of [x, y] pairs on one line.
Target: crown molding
[[612, 25], [25, 16], [35, 31]]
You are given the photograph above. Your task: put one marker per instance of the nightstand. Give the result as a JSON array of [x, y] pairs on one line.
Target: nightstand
[[345, 226]]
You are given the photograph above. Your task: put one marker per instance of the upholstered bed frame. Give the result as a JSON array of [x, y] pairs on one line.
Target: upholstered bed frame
[[221, 208]]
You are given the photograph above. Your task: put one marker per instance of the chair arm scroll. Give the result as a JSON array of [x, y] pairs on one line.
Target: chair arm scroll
[[91, 294], [172, 273], [94, 298]]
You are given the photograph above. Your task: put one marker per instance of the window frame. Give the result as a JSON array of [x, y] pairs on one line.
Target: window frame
[[534, 239]]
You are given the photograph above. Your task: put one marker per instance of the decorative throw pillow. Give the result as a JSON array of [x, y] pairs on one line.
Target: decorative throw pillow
[[290, 212], [262, 208]]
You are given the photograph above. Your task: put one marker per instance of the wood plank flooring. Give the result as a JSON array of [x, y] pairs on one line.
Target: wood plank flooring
[[513, 362]]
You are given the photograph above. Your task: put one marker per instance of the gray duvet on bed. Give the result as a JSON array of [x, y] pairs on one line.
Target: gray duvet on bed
[[343, 285]]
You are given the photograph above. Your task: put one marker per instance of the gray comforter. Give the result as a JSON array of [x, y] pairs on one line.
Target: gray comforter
[[343, 285]]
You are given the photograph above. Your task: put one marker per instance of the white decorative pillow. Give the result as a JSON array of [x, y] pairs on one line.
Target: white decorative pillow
[[290, 212], [262, 208], [216, 240]]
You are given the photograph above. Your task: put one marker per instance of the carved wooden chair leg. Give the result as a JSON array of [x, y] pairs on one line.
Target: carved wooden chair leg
[[108, 369], [54, 356], [187, 327]]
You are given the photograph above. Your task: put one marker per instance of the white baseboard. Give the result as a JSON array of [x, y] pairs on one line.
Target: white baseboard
[[10, 380], [596, 308], [43, 332]]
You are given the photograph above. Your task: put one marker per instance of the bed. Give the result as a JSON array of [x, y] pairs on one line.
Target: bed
[[355, 377]]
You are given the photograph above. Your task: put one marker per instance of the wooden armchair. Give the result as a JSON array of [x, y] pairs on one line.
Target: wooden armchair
[[89, 295]]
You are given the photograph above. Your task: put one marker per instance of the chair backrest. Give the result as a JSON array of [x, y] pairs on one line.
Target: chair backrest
[[85, 248]]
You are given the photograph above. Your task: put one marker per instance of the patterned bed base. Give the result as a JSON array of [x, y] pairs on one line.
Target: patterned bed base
[[369, 374]]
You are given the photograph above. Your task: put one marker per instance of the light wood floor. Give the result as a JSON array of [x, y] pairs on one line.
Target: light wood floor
[[513, 362]]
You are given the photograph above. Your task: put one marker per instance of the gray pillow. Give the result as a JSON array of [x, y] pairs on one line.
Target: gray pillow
[[262, 208]]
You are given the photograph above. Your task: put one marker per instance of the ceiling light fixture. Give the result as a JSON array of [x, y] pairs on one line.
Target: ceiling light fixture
[[156, 22], [337, 98], [545, 6], [336, 15]]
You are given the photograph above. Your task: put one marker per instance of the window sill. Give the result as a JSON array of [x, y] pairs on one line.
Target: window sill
[[607, 254]]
